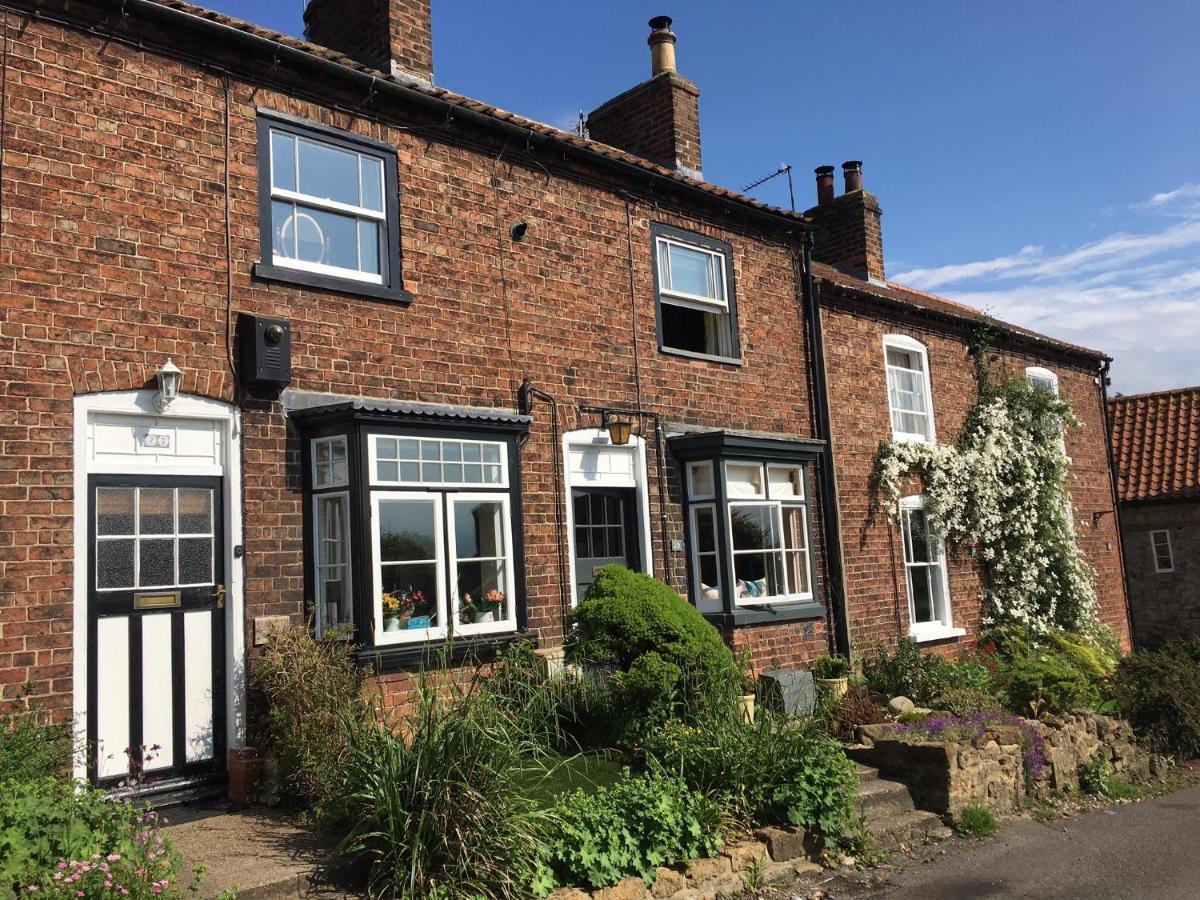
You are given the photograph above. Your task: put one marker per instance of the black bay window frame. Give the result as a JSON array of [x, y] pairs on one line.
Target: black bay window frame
[[358, 425], [718, 448], [265, 269]]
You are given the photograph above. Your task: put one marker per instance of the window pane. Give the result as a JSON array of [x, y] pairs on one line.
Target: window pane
[[369, 237], [705, 529], [491, 453], [472, 452], [701, 479], [616, 541], [709, 576], [753, 527], [283, 235], [114, 511], [331, 531], [905, 359], [452, 472], [691, 272], [478, 528], [918, 538], [195, 511], [386, 471], [743, 480], [785, 483], [431, 450], [482, 591], [757, 575], [283, 161], [328, 173], [452, 451], [409, 448], [406, 530], [156, 562], [919, 584], [696, 331], [114, 564], [195, 561], [156, 511], [411, 579], [797, 572], [326, 237], [410, 472], [583, 543], [492, 475], [795, 532], [386, 448], [372, 182], [431, 472]]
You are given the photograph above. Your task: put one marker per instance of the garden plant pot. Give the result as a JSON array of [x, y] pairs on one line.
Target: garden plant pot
[[488, 616], [835, 687], [420, 622], [746, 708], [392, 623]]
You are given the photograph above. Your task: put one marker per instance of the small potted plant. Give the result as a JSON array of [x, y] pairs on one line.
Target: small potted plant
[[745, 701], [420, 617], [832, 673], [491, 607], [396, 611]]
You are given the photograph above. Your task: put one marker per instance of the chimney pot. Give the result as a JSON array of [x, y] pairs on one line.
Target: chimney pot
[[662, 46], [824, 184], [852, 171]]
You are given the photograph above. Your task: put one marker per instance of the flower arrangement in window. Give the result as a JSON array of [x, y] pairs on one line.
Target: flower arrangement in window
[[399, 609], [488, 608]]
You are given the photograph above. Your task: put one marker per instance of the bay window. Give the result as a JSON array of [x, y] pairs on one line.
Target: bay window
[[413, 533], [749, 526]]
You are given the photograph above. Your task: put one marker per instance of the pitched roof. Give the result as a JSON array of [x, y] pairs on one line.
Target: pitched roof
[[1156, 445], [900, 295]]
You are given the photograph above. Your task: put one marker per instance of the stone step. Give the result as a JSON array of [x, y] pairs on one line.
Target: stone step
[[882, 798], [866, 773], [913, 827]]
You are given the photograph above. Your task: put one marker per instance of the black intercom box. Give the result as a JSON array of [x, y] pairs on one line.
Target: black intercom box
[[264, 351]]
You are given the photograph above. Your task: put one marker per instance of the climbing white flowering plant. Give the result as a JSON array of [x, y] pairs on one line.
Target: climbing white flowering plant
[[1002, 492]]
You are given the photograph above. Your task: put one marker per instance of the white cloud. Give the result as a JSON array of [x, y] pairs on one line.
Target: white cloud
[[1134, 295]]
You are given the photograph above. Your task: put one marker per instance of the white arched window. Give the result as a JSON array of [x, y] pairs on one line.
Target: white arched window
[[910, 397]]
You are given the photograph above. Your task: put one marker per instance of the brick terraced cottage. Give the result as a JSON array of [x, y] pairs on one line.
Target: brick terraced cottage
[[290, 333], [1156, 458]]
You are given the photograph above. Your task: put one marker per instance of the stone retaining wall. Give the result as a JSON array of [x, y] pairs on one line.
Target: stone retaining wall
[[775, 854]]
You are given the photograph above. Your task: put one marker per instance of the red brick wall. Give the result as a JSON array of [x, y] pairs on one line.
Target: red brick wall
[[874, 560], [376, 32], [113, 258], [659, 120]]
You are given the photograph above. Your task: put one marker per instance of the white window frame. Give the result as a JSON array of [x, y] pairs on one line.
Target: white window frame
[[908, 344], [1033, 373], [373, 460], [318, 446], [777, 505], [409, 635], [509, 622], [705, 605], [695, 495], [322, 203], [347, 566], [943, 626], [1159, 570], [683, 298]]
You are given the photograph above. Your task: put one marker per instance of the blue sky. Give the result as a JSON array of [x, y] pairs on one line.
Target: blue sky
[[1038, 160]]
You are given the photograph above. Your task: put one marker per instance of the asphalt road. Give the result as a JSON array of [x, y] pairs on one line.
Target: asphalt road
[[1149, 849]]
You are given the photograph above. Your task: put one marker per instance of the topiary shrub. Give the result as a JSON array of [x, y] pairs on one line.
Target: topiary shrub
[[1156, 691], [1048, 682], [667, 657]]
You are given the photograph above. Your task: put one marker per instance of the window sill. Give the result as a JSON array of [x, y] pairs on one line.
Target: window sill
[[935, 633], [767, 615], [912, 439], [400, 657], [705, 357], [269, 272]]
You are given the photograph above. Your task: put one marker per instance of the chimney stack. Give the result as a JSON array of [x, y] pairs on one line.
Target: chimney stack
[[824, 184], [849, 233], [659, 119], [394, 36]]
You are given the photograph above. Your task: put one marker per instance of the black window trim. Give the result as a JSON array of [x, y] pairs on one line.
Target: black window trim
[[266, 270], [720, 447], [657, 230]]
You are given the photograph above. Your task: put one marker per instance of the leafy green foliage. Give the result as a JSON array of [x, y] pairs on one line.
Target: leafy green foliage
[[831, 667], [1157, 691], [31, 747], [925, 678], [774, 771], [52, 829], [975, 821], [966, 701], [668, 659], [1096, 776], [631, 827], [842, 716], [1051, 670], [314, 693]]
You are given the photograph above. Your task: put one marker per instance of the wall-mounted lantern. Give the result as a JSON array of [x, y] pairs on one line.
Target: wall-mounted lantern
[[170, 376], [619, 428]]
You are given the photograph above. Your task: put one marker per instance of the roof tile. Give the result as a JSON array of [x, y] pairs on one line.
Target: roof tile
[[1156, 445]]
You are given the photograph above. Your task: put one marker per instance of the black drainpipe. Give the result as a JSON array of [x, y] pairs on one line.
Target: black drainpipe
[[830, 505], [1116, 498]]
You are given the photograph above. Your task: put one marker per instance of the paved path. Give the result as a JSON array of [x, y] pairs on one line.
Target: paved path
[[1136, 850]]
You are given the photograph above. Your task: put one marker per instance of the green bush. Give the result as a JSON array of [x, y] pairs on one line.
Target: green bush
[[31, 747], [1157, 691], [667, 658], [1046, 681], [631, 827], [52, 829], [772, 772], [831, 667], [314, 694], [444, 811], [1096, 775], [975, 821], [966, 701]]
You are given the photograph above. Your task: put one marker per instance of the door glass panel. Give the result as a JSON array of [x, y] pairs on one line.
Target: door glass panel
[[114, 564], [195, 511], [195, 560], [114, 511], [156, 511], [156, 563]]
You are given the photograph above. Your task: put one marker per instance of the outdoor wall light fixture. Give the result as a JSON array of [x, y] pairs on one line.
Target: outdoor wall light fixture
[[619, 429], [169, 378], [517, 231]]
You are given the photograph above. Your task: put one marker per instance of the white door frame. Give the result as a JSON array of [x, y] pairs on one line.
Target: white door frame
[[597, 438], [228, 419]]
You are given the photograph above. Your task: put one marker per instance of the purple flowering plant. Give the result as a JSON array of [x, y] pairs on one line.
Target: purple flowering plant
[[973, 727]]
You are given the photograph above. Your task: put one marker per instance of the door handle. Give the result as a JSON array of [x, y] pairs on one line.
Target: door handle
[[219, 594]]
